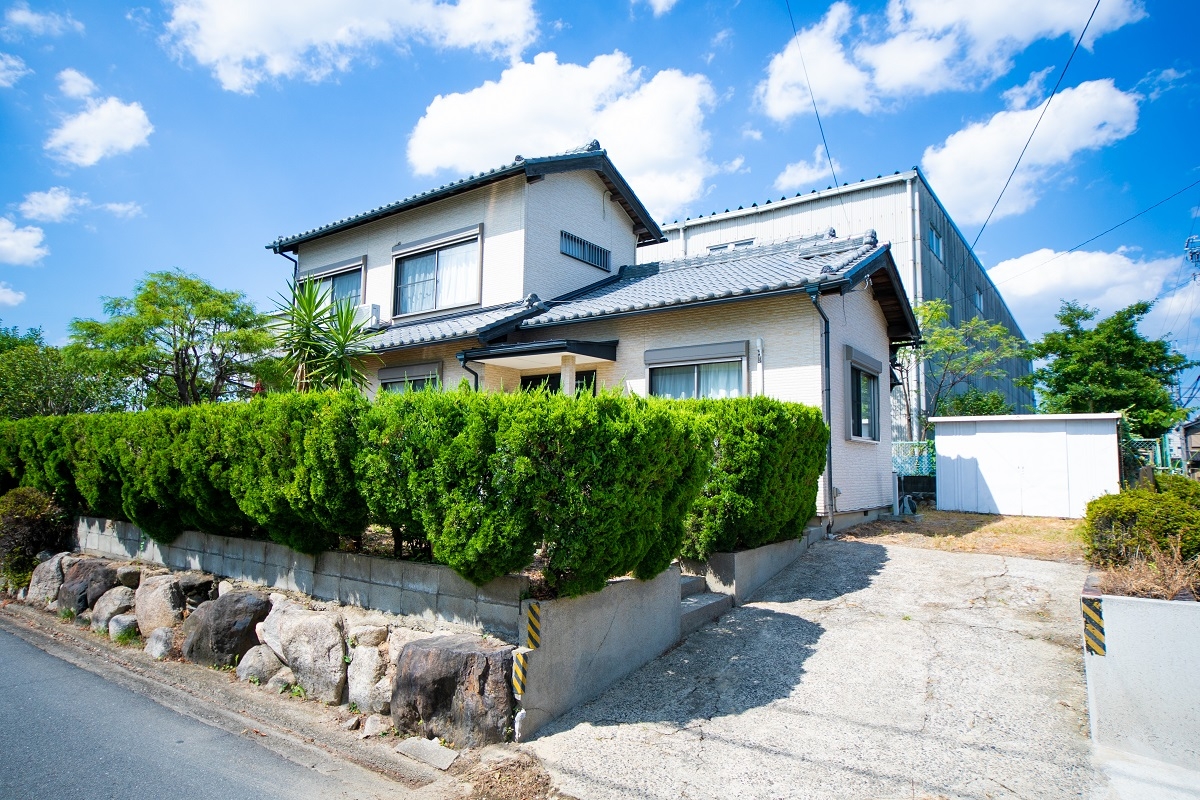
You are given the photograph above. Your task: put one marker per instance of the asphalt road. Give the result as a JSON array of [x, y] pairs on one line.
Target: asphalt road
[[67, 733]]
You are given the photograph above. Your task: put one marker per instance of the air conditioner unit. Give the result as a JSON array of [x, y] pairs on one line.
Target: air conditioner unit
[[368, 315]]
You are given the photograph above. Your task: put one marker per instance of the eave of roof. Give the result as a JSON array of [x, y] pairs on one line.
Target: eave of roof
[[590, 158]]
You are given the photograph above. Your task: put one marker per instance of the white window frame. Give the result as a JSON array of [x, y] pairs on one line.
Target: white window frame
[[935, 243], [858, 362], [697, 355], [328, 272], [429, 244], [406, 375]]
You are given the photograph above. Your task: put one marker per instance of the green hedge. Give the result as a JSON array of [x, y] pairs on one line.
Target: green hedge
[[601, 486], [1118, 526], [768, 457]]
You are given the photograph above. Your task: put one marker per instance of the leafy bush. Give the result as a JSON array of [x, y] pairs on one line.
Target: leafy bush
[[1121, 526], [768, 457], [30, 522], [1186, 489]]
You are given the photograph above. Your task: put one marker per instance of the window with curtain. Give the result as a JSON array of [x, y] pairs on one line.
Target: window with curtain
[[344, 287], [410, 384], [441, 278], [585, 381], [718, 380], [864, 404]]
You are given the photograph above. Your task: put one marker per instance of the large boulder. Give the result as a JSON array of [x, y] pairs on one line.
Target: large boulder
[[160, 643], [159, 603], [365, 683], [219, 632], [116, 600], [197, 588], [46, 581], [259, 665], [84, 583], [121, 625], [456, 688], [129, 575], [313, 646]]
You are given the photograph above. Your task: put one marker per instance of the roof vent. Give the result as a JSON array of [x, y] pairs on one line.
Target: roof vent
[[592, 146]]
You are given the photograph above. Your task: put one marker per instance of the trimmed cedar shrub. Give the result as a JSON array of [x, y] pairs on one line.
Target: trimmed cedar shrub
[[768, 457], [603, 483], [1181, 486], [30, 522], [1130, 525]]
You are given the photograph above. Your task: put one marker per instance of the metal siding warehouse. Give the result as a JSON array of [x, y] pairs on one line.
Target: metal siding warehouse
[[1035, 465]]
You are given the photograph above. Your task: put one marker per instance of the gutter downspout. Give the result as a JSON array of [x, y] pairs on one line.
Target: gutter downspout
[[295, 264], [814, 294], [462, 362]]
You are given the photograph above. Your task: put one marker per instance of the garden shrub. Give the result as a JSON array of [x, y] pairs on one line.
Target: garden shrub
[[1181, 486], [768, 457], [95, 441], [30, 522], [1121, 526]]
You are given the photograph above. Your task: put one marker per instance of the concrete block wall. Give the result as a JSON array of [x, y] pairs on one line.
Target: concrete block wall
[[427, 594]]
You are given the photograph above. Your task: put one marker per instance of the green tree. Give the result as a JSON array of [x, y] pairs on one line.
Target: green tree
[[324, 344], [178, 340], [1108, 367], [12, 337], [38, 380], [975, 403], [952, 356]]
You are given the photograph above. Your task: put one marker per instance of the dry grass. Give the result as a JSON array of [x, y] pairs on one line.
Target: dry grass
[[520, 778], [1042, 538], [1162, 575]]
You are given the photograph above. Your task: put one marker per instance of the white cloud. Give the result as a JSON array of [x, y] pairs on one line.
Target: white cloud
[[246, 43], [20, 245], [122, 210], [12, 69], [10, 296], [735, 165], [970, 167], [920, 47], [653, 129], [840, 85], [659, 7], [1029, 93], [752, 134], [73, 83], [801, 174], [105, 128], [21, 18], [1034, 285], [53, 205], [1156, 84]]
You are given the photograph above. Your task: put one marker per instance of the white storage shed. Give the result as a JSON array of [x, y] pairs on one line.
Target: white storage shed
[[1036, 465]]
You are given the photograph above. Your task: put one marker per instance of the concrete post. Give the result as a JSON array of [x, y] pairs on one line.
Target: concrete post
[[567, 375]]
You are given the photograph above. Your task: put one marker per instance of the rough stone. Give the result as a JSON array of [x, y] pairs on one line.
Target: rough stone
[[456, 688], [281, 680], [46, 581], [84, 583], [269, 631], [160, 643], [260, 664], [221, 631], [116, 600], [197, 588], [364, 680], [129, 575], [351, 724], [224, 587], [427, 752], [368, 635], [122, 623], [315, 650], [21, 596], [159, 603], [376, 725]]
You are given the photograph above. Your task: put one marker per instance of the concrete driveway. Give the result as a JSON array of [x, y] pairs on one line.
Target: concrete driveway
[[862, 671]]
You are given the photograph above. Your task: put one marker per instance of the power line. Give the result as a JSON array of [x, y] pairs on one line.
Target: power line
[[1045, 107], [1099, 235], [816, 113]]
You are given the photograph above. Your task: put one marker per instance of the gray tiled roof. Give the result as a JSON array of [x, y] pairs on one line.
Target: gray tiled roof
[[454, 326], [730, 273]]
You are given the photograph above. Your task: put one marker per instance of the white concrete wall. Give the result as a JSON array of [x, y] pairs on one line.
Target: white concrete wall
[[1144, 693], [1048, 465], [575, 202], [499, 206]]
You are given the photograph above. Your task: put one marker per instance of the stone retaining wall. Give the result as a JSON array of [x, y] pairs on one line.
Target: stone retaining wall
[[428, 594], [741, 574]]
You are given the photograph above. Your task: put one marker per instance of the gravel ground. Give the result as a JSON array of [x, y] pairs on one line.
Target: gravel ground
[[862, 671]]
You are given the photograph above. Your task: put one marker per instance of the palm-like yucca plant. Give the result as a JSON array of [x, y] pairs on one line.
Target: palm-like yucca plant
[[321, 341]]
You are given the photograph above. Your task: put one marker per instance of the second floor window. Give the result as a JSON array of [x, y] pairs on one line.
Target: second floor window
[[441, 278], [346, 287]]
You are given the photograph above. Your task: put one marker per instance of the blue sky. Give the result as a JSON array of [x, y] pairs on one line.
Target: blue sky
[[190, 133]]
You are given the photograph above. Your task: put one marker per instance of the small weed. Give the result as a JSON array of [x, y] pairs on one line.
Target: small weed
[[66, 614], [298, 691], [347, 658], [254, 680], [354, 708], [353, 641], [127, 637], [907, 617]]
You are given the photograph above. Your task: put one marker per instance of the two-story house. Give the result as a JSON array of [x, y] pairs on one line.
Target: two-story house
[[526, 274]]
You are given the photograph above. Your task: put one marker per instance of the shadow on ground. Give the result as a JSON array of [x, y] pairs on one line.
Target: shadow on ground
[[749, 658]]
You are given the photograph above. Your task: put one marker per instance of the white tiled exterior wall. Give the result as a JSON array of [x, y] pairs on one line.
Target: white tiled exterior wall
[[575, 202]]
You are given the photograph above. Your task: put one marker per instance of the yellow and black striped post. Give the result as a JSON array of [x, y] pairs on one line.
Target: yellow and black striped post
[[519, 668], [534, 628], [1093, 625]]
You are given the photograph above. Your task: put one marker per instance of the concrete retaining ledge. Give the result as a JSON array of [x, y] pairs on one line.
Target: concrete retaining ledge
[[741, 574], [589, 643], [426, 594], [1144, 692]]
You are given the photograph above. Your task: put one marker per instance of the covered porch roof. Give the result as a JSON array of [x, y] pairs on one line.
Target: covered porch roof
[[541, 355]]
